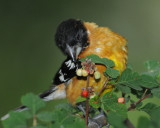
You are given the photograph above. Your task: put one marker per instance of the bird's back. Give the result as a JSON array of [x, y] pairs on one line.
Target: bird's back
[[106, 44]]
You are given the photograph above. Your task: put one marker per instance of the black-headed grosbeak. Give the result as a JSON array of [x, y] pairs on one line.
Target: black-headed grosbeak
[[78, 39]]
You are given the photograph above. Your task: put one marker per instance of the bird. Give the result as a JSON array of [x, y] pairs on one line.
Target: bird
[[78, 39]]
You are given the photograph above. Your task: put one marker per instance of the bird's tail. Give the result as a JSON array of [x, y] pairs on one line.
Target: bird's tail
[[55, 92]]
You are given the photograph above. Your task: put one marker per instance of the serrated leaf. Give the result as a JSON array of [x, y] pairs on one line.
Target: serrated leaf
[[95, 102], [116, 120], [80, 99], [130, 79], [98, 60], [151, 64], [109, 102], [149, 107], [144, 122], [45, 116], [148, 81], [124, 89], [64, 118], [33, 102], [156, 92], [113, 73]]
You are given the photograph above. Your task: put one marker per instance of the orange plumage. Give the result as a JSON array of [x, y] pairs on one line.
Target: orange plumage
[[106, 44]]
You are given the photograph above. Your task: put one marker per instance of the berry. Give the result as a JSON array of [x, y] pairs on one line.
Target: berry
[[84, 73], [79, 72], [84, 93], [97, 75], [121, 100]]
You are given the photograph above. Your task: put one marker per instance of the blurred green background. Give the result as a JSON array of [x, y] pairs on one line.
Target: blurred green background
[[29, 57]]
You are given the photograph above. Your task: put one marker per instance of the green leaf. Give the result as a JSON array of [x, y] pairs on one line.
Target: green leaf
[[148, 81], [80, 99], [113, 73], [130, 79], [124, 89], [156, 92], [16, 120], [45, 116], [149, 107], [151, 64], [116, 120], [144, 122], [95, 102], [33, 102], [109, 102], [98, 60], [64, 118]]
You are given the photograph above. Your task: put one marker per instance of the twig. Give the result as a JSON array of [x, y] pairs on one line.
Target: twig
[[87, 104], [128, 123], [104, 86], [144, 93], [133, 106]]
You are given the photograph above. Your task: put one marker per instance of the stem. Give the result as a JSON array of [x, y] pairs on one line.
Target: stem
[[87, 104], [104, 86], [128, 123], [34, 120], [144, 93], [133, 106]]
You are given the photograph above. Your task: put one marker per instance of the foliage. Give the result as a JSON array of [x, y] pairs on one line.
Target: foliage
[[129, 83]]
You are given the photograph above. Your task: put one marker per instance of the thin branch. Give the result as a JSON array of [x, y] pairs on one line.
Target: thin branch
[[128, 123], [144, 93], [87, 104], [133, 106], [104, 86]]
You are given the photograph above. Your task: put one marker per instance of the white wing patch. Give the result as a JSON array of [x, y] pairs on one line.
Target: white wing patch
[[70, 64]]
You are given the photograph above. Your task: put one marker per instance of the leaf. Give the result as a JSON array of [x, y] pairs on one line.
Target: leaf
[[151, 64], [95, 102], [39, 126], [124, 89], [148, 81], [149, 107], [64, 118], [113, 73], [80, 99], [45, 116], [109, 102], [16, 120], [130, 79], [33, 102], [116, 120], [144, 122], [156, 92], [98, 60]]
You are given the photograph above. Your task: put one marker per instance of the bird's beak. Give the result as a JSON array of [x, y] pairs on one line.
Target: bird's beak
[[73, 52]]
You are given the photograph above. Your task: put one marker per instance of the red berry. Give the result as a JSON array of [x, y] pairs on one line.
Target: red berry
[[84, 93], [121, 100]]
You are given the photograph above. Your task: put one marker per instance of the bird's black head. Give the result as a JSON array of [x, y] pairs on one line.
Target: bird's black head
[[71, 37]]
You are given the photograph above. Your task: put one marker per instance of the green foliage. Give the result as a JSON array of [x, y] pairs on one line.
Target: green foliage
[[95, 102], [129, 83]]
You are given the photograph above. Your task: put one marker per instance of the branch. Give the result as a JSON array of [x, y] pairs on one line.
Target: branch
[[87, 104], [104, 86], [128, 123], [133, 106]]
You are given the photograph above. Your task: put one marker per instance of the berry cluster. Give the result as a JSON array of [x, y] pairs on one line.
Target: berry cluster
[[88, 68]]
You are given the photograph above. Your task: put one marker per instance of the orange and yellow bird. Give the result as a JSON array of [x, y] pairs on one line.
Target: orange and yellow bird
[[78, 39]]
